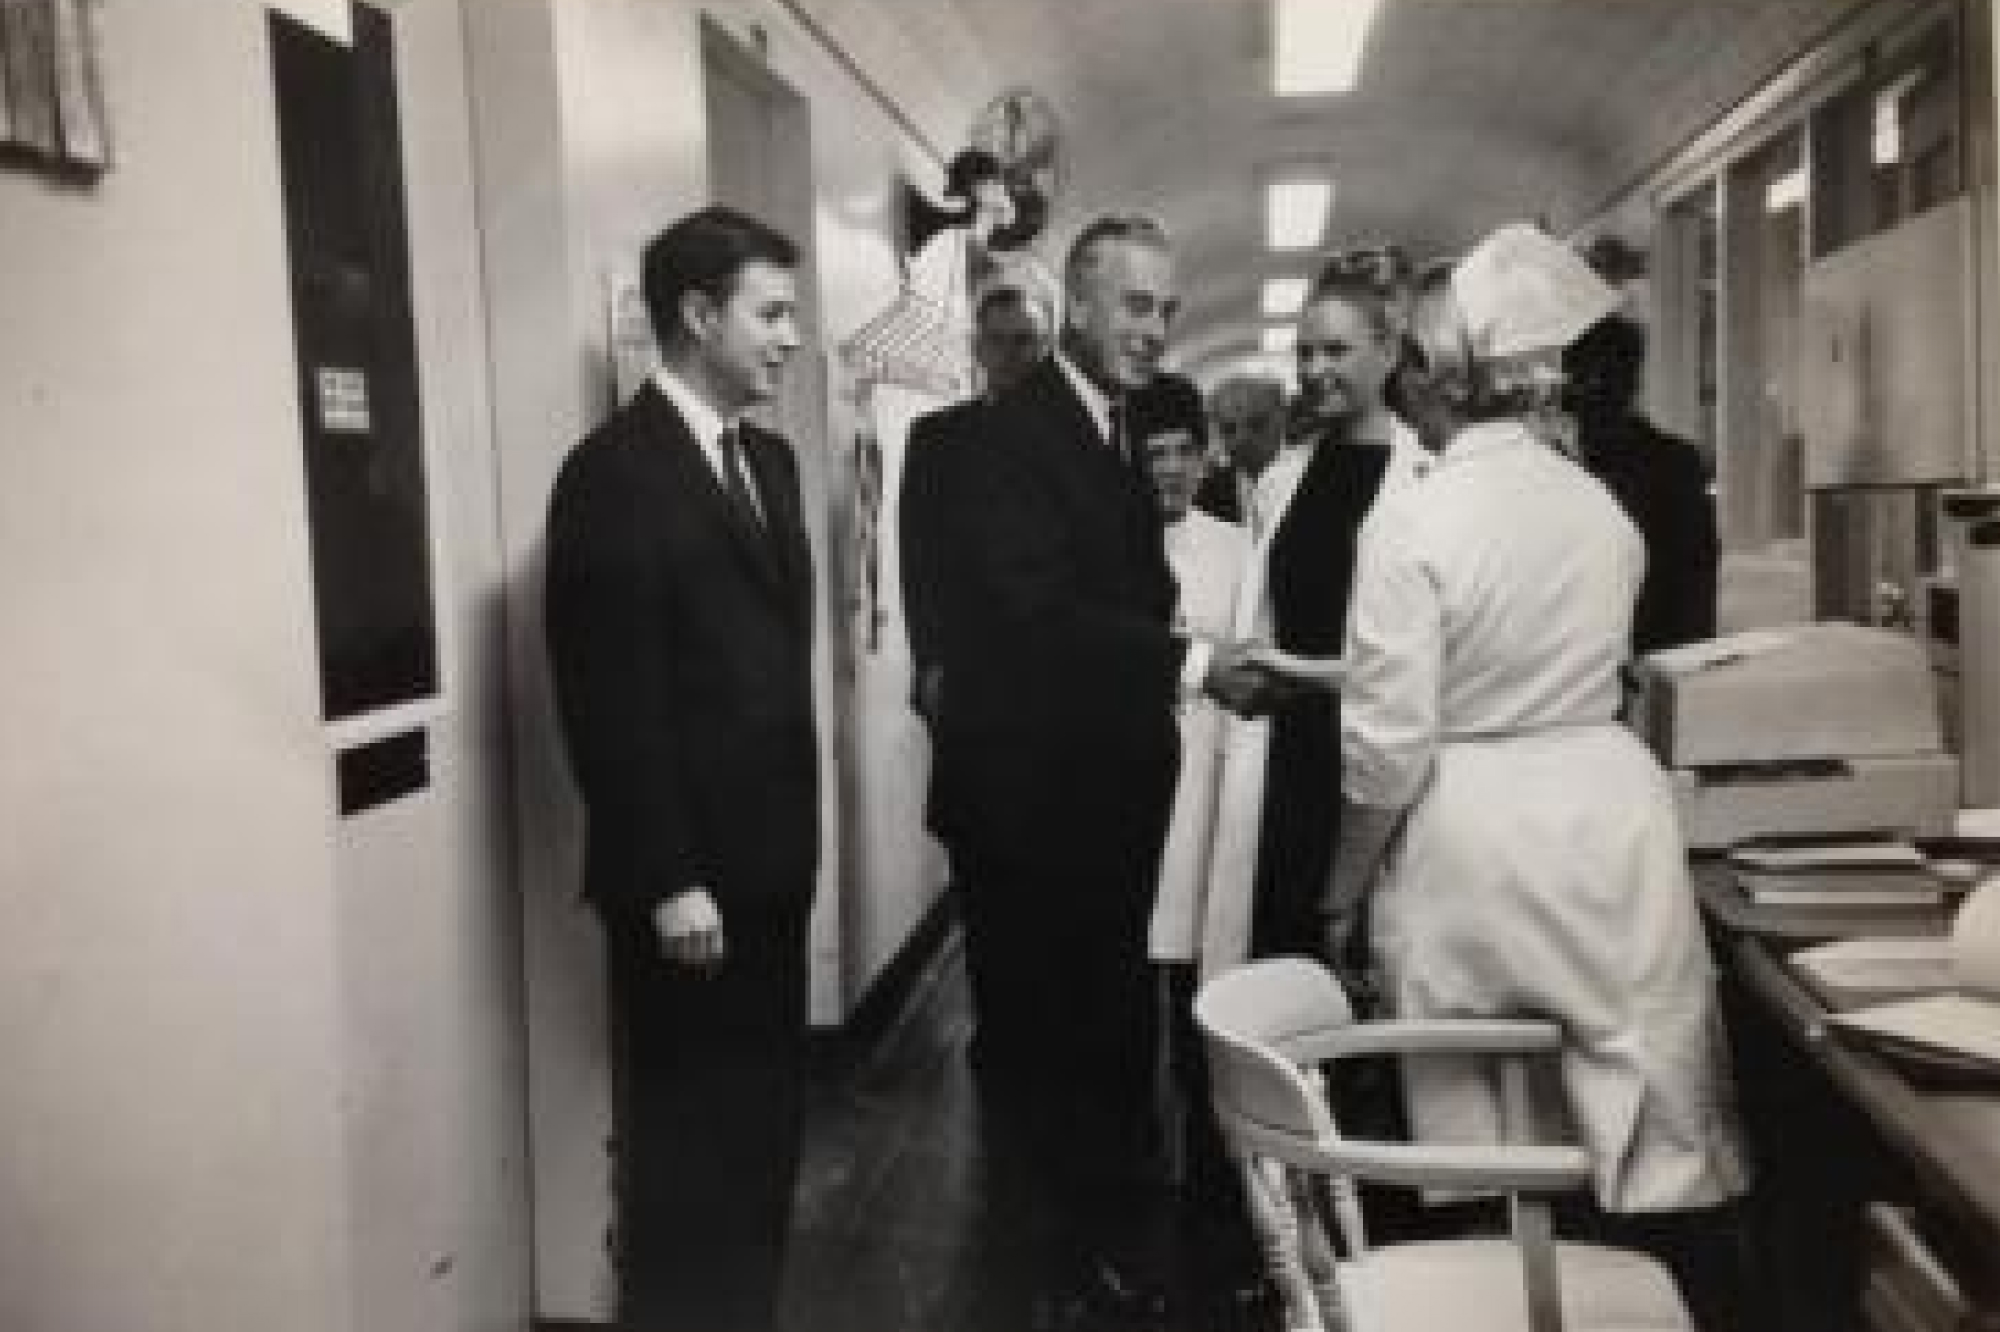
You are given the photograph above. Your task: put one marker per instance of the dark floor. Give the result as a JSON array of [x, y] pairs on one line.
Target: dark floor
[[895, 1231], [887, 1217]]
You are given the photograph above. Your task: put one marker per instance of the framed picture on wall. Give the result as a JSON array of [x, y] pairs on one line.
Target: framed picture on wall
[[51, 86]]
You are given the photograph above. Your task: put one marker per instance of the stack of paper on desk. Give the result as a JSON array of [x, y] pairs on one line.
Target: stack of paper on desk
[[1841, 870], [1852, 972], [1959, 1025], [1826, 851]]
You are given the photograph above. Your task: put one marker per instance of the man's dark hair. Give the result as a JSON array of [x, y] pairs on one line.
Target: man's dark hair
[[1605, 365], [1170, 402], [705, 251]]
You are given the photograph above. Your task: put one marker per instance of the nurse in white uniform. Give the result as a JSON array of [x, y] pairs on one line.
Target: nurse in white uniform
[[1534, 863]]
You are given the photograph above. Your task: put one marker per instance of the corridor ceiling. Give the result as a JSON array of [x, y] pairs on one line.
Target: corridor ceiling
[[1468, 113]]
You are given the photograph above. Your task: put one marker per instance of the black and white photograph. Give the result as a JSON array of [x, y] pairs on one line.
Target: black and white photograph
[[1000, 665]]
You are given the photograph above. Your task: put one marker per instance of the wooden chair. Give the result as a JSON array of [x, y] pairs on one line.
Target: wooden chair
[[1268, 1027]]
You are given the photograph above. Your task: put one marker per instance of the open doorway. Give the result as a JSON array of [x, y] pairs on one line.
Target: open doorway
[[760, 161]]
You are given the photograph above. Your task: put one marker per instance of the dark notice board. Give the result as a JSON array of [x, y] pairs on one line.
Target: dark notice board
[[341, 165]]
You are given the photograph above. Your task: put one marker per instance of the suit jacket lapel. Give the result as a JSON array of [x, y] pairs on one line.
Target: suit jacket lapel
[[783, 537], [1079, 430], [758, 547]]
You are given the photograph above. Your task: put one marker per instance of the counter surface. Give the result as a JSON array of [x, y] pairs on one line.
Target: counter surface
[[1949, 1135]]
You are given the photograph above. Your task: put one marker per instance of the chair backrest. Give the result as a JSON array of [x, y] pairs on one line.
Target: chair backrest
[[1249, 1017]]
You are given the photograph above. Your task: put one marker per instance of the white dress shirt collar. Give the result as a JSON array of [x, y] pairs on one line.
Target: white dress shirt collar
[[1095, 400], [703, 421]]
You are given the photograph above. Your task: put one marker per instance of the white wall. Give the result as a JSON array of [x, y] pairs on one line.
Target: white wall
[[262, 1067], [171, 1153], [590, 124]]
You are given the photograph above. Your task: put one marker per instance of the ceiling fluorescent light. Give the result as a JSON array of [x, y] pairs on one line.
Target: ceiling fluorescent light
[[1295, 209], [1317, 45], [1278, 338], [1787, 191], [1282, 297]]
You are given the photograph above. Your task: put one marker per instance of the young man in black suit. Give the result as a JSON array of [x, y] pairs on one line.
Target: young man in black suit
[[680, 625], [1013, 327], [1062, 669]]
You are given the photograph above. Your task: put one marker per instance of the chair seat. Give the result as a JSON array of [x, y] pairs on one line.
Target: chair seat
[[1475, 1286]]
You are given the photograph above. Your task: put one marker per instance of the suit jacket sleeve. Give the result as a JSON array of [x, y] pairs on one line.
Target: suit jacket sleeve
[[920, 528], [609, 646], [1031, 586]]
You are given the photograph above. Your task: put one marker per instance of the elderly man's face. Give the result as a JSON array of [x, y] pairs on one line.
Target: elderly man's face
[[1250, 424], [1120, 312]]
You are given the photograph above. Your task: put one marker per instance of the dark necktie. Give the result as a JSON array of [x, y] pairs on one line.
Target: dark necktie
[[736, 480], [1120, 437]]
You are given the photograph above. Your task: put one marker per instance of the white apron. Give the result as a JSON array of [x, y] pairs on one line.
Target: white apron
[[1545, 874], [1540, 870]]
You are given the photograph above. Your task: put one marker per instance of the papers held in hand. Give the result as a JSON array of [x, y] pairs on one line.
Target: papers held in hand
[[1841, 870], [1955, 1028]]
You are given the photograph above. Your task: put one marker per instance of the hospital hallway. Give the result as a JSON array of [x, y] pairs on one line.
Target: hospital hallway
[[357, 754]]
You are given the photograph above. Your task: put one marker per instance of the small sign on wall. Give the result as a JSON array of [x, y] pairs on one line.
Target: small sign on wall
[[343, 400]]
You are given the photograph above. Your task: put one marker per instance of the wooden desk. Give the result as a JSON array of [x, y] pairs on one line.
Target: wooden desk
[[1936, 1150]]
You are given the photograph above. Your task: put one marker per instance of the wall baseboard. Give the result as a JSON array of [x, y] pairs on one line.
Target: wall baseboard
[[908, 976]]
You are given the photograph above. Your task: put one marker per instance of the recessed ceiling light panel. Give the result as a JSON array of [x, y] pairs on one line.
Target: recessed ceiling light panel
[[1317, 45]]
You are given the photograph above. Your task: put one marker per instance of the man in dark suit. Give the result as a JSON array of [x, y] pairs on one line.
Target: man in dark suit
[[679, 621], [1657, 479], [1012, 330], [1248, 412], [1062, 671]]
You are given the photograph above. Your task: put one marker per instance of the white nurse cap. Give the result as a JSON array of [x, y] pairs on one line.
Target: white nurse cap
[[1522, 291]]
